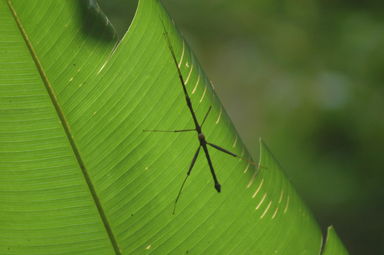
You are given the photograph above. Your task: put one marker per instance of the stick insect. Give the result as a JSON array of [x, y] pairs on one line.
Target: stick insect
[[203, 143]]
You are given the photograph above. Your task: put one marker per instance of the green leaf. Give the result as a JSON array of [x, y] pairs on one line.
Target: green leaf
[[333, 244], [79, 176]]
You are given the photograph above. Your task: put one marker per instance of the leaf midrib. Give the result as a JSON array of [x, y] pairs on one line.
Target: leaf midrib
[[67, 130]]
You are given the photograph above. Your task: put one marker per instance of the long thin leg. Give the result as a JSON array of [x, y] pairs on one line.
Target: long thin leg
[[223, 150], [231, 153], [186, 177], [217, 184], [206, 115], [169, 131]]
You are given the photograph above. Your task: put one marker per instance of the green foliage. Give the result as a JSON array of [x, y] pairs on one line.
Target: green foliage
[[79, 176], [333, 244], [306, 76]]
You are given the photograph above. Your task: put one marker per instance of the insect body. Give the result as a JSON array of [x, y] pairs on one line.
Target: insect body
[[198, 128]]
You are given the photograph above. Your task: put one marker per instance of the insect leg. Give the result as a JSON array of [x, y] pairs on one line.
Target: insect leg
[[230, 153], [188, 173], [223, 150], [217, 184], [206, 115], [169, 131]]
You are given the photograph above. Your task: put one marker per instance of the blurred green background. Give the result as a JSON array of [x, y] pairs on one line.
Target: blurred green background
[[306, 76]]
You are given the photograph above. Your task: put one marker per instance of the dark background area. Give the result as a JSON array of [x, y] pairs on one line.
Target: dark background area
[[307, 77]]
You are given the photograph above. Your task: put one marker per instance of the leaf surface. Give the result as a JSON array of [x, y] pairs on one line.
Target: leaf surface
[[333, 243], [78, 174]]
